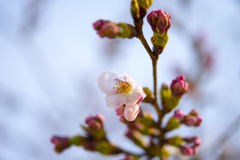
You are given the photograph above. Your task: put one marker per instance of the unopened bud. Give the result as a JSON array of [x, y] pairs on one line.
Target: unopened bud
[[179, 86], [178, 114], [135, 11], [106, 29], [199, 121], [100, 118], [194, 113], [159, 21], [185, 150], [61, 143], [197, 141], [189, 120]]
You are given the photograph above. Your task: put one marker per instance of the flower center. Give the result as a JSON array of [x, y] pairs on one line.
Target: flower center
[[123, 87]]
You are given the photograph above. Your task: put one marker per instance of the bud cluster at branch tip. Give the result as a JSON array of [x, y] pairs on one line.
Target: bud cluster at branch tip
[[193, 119], [160, 22], [113, 30], [139, 9], [62, 143]]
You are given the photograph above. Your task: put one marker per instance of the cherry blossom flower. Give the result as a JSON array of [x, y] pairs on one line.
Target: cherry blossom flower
[[119, 91], [124, 95]]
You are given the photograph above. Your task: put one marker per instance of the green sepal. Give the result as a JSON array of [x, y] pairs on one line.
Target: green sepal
[[175, 141], [77, 140], [135, 11], [173, 123], [169, 101], [149, 95], [127, 30], [105, 148]]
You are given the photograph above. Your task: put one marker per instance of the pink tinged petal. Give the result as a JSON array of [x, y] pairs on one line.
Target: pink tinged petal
[[115, 100], [129, 80], [142, 97], [131, 112], [106, 81], [120, 111]]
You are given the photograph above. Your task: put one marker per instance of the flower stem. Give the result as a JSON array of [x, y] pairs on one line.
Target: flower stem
[[154, 64]]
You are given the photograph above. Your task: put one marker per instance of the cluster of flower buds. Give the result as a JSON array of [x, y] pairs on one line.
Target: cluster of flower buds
[[187, 146], [112, 30], [95, 126], [192, 146], [61, 143], [160, 22], [193, 119], [171, 96], [139, 9]]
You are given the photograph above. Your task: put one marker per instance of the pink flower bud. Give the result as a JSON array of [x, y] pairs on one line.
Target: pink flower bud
[[178, 114], [95, 122], [106, 28], [100, 118], [185, 150], [179, 86], [194, 113], [197, 141], [199, 121], [98, 24], [189, 120], [60, 143], [159, 21]]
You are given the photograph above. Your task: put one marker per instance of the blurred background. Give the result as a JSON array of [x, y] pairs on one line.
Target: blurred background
[[50, 59]]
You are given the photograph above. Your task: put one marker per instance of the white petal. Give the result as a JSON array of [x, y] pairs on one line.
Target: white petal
[[131, 112], [129, 80], [115, 100], [106, 81], [133, 97], [138, 88]]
